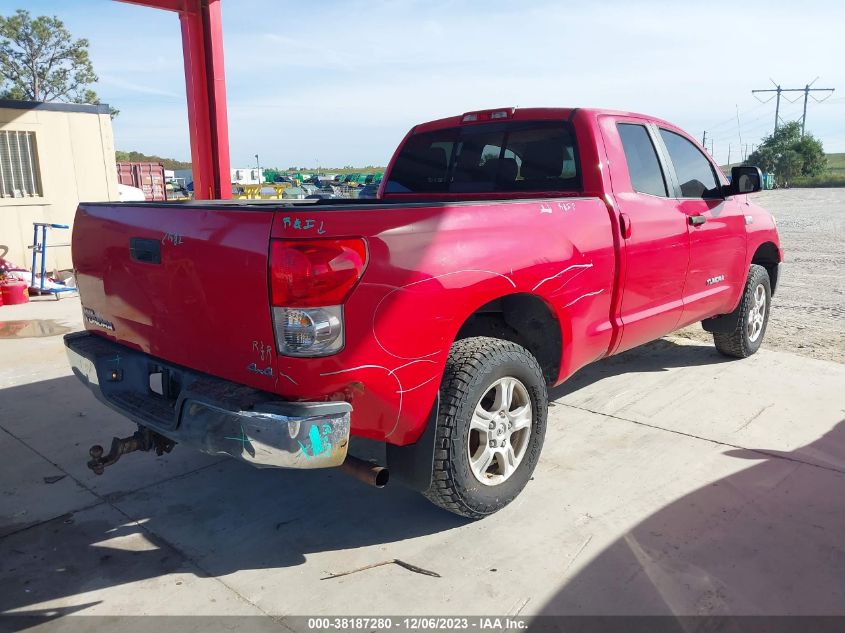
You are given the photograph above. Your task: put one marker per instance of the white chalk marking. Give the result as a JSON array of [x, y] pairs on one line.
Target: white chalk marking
[[414, 283], [560, 273], [419, 385], [589, 294]]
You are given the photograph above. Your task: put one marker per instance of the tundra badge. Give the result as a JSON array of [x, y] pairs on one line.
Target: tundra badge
[[95, 319]]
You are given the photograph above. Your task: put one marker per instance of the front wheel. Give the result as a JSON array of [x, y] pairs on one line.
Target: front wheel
[[490, 427], [751, 317]]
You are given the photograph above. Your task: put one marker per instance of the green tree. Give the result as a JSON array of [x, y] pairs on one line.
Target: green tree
[[139, 157], [786, 154], [40, 61]]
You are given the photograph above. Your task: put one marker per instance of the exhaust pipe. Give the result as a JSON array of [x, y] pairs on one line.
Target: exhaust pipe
[[371, 474]]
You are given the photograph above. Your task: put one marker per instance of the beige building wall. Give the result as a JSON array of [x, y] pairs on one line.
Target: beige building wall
[[75, 150]]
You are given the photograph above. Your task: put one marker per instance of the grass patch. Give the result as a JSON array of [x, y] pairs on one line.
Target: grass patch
[[836, 164], [830, 179]]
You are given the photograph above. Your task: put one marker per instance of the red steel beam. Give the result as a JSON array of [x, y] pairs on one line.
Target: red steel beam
[[205, 83], [168, 5]]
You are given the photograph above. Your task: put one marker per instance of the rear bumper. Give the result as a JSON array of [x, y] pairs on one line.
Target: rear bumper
[[212, 415]]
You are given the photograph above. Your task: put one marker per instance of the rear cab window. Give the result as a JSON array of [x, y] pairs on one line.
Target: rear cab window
[[511, 156]]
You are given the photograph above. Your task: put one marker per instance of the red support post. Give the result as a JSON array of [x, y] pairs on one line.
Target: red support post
[[205, 83]]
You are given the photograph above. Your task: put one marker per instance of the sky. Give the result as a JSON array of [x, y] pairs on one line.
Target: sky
[[331, 83]]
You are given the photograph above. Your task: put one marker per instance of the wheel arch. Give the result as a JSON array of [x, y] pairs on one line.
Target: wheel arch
[[523, 318], [768, 256]]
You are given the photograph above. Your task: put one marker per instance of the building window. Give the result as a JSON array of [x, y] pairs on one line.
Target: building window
[[19, 176]]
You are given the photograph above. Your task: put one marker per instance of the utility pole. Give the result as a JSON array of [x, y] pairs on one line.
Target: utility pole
[[777, 90], [704, 139], [806, 90], [729, 154]]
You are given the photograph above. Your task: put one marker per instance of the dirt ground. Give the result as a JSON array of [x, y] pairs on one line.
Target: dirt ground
[[809, 306]]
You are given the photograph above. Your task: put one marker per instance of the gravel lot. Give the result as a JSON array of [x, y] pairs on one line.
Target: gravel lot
[[808, 309]]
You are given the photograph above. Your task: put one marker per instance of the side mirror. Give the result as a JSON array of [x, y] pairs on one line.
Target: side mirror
[[745, 179]]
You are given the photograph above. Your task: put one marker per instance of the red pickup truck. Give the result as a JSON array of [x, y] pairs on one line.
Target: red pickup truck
[[507, 248]]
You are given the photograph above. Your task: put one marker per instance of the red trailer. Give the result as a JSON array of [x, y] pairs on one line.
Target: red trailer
[[149, 177]]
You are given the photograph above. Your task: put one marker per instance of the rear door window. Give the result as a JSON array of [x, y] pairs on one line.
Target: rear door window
[[695, 173], [490, 157], [643, 166]]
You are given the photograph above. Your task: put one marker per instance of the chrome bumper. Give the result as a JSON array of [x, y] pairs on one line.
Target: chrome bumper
[[212, 415]]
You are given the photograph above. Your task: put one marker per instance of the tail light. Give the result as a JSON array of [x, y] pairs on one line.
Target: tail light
[[309, 282]]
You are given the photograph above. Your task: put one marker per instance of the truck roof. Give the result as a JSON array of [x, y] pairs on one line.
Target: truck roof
[[531, 114]]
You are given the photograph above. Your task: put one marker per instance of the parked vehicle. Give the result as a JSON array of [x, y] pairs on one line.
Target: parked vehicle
[[507, 249], [130, 194], [176, 190], [368, 191]]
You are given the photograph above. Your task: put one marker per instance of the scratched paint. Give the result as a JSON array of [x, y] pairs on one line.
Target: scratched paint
[[392, 373], [565, 270], [584, 296], [381, 344]]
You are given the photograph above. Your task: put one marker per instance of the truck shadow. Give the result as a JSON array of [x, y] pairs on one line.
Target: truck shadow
[[766, 540], [211, 521], [219, 518], [660, 355]]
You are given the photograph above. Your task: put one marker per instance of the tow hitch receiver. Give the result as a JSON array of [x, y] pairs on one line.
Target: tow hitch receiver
[[142, 440]]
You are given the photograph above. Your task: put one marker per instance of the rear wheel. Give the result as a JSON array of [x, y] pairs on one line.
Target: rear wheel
[[751, 317], [490, 427]]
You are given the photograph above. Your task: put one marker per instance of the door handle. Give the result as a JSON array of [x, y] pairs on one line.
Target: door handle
[[625, 225], [697, 220]]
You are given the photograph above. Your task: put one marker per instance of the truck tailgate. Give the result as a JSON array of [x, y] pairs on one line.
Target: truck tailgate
[[185, 284]]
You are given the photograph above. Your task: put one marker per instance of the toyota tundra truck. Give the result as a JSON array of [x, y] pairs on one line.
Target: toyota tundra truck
[[505, 250]]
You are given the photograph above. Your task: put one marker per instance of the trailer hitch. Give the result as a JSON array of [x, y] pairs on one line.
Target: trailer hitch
[[142, 440]]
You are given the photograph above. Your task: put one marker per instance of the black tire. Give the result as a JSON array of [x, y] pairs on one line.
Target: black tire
[[474, 365], [737, 343]]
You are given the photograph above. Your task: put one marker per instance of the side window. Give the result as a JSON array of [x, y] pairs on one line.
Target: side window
[[643, 166], [695, 173]]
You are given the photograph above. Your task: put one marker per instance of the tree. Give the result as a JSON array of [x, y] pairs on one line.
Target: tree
[[39, 61], [138, 157], [787, 154]]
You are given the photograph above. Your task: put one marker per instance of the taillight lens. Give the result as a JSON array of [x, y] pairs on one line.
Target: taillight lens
[[308, 331], [309, 281], [312, 273]]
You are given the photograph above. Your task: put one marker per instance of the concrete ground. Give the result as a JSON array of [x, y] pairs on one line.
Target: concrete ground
[[672, 481]]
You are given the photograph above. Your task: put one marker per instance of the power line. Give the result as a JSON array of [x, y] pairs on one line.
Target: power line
[[778, 90]]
